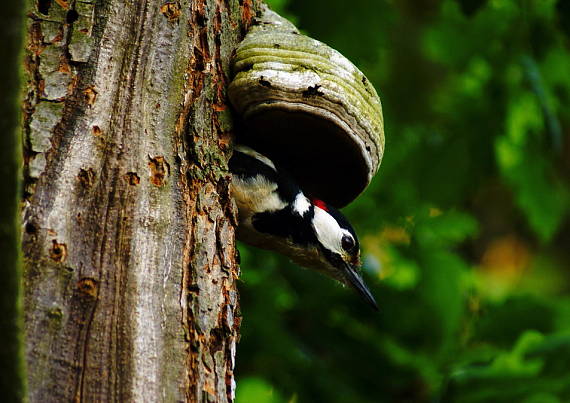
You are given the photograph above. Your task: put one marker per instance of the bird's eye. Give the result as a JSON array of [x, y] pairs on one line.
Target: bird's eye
[[347, 243]]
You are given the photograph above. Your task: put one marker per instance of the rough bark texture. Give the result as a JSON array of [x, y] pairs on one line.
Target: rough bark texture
[[128, 225]]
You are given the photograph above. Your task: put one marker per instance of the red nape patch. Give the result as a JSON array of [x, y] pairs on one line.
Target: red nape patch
[[320, 204]]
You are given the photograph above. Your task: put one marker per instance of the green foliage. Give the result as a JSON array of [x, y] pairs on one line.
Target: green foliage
[[464, 231], [257, 390], [12, 367]]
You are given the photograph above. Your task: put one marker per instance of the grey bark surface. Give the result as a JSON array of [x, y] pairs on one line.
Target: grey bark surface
[[128, 230]]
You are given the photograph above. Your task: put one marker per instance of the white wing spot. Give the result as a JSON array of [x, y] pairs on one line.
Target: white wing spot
[[301, 204]]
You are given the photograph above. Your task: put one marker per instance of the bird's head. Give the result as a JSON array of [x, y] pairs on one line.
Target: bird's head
[[339, 247]]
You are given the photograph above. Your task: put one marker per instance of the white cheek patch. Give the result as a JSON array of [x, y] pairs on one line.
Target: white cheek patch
[[329, 233], [301, 204]]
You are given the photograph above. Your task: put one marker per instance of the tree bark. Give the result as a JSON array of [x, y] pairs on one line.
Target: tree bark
[[129, 249]]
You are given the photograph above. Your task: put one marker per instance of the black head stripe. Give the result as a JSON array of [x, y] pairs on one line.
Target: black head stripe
[[344, 224]]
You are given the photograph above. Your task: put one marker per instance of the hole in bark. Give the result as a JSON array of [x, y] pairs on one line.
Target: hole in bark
[[71, 16], [97, 131], [88, 287], [58, 251], [90, 95], [31, 228], [132, 178], [55, 314], [194, 289], [159, 170], [44, 6]]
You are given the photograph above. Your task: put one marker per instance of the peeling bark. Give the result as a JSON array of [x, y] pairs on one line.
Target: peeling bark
[[129, 246]]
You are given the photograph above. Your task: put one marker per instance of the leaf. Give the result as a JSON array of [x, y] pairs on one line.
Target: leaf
[[253, 389], [446, 228]]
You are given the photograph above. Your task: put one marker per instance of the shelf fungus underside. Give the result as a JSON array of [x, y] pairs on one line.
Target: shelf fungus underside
[[307, 107]]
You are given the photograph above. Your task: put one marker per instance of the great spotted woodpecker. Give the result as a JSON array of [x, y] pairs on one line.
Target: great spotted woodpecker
[[274, 214]]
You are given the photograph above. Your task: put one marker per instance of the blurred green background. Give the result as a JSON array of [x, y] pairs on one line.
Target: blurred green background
[[465, 230]]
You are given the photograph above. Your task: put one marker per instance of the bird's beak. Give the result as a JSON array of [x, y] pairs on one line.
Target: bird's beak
[[355, 281]]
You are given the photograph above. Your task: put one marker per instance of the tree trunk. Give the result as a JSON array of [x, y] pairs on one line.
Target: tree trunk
[[129, 249]]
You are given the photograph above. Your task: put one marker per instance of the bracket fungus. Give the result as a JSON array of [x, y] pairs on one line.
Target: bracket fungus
[[308, 108]]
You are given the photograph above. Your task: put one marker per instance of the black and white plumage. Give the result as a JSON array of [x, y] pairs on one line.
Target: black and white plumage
[[275, 214]]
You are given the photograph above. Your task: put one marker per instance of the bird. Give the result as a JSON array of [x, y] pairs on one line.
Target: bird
[[275, 214]]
